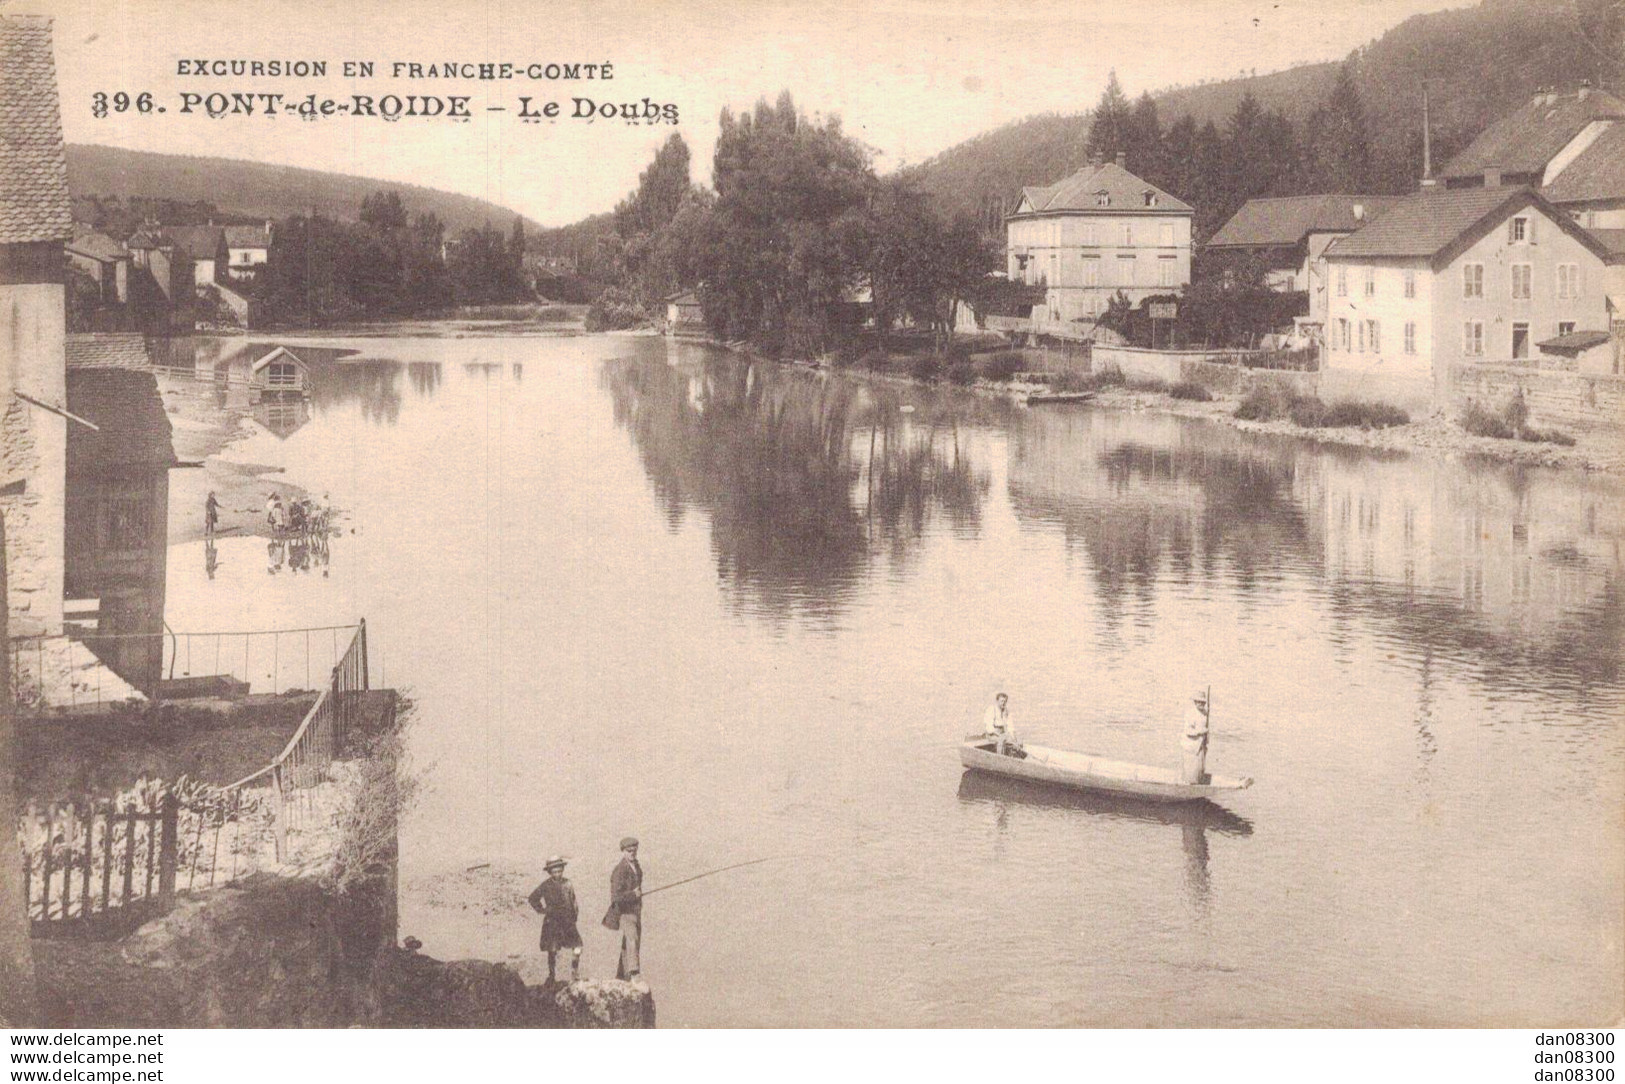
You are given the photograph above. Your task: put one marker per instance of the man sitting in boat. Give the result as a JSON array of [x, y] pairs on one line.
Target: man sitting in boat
[[1194, 744], [1001, 727]]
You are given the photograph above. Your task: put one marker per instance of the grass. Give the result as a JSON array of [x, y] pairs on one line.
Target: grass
[[1191, 391], [1309, 412]]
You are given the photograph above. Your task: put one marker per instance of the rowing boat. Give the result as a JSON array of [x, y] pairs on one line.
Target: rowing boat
[[1060, 397], [1085, 771]]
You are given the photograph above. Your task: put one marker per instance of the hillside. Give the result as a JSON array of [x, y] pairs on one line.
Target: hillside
[[1479, 63], [260, 190]]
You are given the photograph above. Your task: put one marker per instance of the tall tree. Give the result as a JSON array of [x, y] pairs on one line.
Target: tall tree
[[1337, 144], [1111, 127], [1145, 150]]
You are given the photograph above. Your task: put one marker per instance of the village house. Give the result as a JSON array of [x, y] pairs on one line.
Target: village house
[[248, 249], [280, 371], [205, 249], [1099, 232], [36, 222], [1290, 235], [1451, 277], [105, 261], [683, 314]]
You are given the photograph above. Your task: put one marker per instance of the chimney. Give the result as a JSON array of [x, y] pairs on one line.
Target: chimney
[[1359, 212], [1122, 159], [1427, 141]]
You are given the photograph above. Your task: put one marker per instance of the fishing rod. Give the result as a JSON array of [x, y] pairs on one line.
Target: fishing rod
[[709, 872]]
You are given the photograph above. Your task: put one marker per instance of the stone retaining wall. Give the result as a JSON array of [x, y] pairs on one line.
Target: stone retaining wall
[[1214, 370], [1576, 402]]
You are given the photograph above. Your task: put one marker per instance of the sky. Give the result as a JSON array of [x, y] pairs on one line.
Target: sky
[[908, 77]]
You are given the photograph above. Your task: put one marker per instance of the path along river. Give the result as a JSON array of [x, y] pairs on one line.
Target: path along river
[[636, 587]]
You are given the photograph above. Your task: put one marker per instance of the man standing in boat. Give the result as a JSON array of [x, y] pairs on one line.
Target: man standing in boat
[[626, 908], [1194, 743], [999, 723]]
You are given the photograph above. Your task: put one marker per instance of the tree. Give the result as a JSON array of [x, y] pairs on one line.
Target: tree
[[1337, 146], [1111, 128], [384, 211], [1144, 144]]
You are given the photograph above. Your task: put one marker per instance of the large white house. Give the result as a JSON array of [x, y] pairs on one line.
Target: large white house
[[1099, 231], [1451, 276]]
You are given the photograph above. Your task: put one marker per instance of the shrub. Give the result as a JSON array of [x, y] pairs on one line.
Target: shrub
[[614, 310], [1511, 422], [1146, 383], [1071, 381], [924, 367], [1263, 405], [1001, 367], [961, 373], [1548, 436], [1108, 376], [1309, 412], [1480, 421], [1192, 391]]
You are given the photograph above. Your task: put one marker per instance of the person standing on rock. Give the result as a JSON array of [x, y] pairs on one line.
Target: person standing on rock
[[555, 900], [626, 908]]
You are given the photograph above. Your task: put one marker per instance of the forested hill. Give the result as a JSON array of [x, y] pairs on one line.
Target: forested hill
[[1480, 63], [256, 189]]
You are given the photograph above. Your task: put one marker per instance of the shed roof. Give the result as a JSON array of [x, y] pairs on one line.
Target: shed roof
[[1575, 342], [1080, 192], [107, 350], [280, 353], [34, 204], [1526, 139], [1598, 172], [1287, 220], [1429, 222], [133, 428]]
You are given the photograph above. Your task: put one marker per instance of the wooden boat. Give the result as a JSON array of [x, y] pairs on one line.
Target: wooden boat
[[1085, 771], [1060, 397]]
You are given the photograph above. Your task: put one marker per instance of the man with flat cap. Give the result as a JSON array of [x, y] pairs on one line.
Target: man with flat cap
[[555, 900], [626, 908]]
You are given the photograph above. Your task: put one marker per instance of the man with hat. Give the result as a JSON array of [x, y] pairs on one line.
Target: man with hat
[[1194, 744], [555, 900], [626, 908]]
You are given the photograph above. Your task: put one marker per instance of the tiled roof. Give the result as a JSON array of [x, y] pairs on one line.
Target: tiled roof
[[248, 237], [1613, 241], [1525, 140], [97, 245], [34, 203], [1575, 341], [1426, 222], [134, 430], [1287, 220], [107, 350], [1597, 173], [197, 242], [1081, 191]]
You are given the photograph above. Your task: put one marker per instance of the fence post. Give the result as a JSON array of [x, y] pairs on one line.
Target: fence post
[[280, 812], [365, 672], [168, 849]]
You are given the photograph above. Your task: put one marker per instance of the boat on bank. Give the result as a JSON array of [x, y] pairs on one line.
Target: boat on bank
[[1085, 771], [1059, 397]]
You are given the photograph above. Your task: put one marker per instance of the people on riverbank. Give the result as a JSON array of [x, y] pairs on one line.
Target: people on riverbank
[[555, 900], [1001, 726], [626, 908], [211, 514], [1194, 743]]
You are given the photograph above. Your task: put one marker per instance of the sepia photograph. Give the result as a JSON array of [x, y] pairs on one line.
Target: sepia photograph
[[903, 514]]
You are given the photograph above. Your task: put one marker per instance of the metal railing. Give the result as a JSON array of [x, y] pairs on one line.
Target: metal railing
[[294, 774]]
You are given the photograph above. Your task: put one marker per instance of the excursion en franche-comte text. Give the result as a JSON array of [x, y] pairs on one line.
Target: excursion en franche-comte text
[[249, 100]]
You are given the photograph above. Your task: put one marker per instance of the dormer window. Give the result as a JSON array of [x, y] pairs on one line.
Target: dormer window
[[1103, 199], [1150, 199]]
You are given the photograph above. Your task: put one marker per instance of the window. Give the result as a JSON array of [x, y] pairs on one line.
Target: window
[[1371, 282], [1520, 341], [1568, 281], [1342, 338], [1410, 337], [1125, 270], [1518, 230], [1091, 270], [1361, 328], [1167, 269], [281, 374], [1472, 280], [1410, 284], [1128, 233], [1472, 339], [1522, 277], [1342, 281], [1167, 233], [1565, 327], [1088, 233], [1375, 335], [1150, 199], [1102, 199]]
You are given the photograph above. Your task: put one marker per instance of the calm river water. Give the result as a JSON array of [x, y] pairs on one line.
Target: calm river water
[[642, 588]]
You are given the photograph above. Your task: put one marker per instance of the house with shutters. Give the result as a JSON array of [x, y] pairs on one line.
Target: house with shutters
[[1448, 277], [1093, 234]]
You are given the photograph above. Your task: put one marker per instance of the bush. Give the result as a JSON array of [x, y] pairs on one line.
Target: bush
[[1269, 404], [1146, 383], [1509, 423], [1264, 405], [1071, 381], [1192, 391], [1108, 376], [1001, 367], [961, 373], [614, 310], [924, 367]]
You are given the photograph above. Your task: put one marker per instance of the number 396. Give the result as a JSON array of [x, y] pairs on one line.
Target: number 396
[[121, 102]]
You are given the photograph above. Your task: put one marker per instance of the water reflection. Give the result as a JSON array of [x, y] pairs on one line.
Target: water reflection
[[373, 383], [116, 517]]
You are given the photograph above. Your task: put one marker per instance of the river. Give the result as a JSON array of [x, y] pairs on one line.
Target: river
[[636, 587]]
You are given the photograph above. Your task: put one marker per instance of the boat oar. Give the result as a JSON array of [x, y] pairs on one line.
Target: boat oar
[[709, 872]]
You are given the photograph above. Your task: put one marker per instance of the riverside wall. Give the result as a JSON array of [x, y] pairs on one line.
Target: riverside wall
[[1578, 402]]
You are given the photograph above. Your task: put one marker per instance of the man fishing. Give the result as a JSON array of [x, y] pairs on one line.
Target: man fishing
[[626, 908], [1001, 727], [555, 900], [1194, 743]]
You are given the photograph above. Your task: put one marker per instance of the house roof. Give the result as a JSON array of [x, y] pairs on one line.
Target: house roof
[[1598, 172], [248, 237], [133, 428], [34, 204], [197, 242], [1525, 140], [1613, 241], [1287, 220], [97, 245], [279, 353], [1081, 191], [107, 350], [683, 297], [1575, 342], [1429, 222]]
